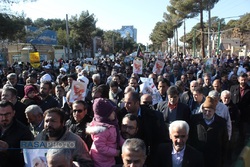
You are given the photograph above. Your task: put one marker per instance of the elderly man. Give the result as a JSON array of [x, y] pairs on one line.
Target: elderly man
[[12, 132], [12, 81], [55, 130], [93, 85], [234, 115], [208, 134], [9, 93], [187, 96], [221, 110], [34, 114], [133, 153], [178, 153]]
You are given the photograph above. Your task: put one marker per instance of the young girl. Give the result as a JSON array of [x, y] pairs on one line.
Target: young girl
[[104, 131], [30, 95]]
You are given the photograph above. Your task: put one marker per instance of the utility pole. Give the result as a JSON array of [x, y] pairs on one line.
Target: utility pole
[[113, 44], [218, 42], [67, 36], [202, 29], [184, 42], [174, 40], [194, 44], [208, 32], [170, 47], [177, 48]]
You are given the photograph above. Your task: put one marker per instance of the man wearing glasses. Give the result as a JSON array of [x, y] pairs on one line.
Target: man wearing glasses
[[12, 132], [129, 126], [78, 121]]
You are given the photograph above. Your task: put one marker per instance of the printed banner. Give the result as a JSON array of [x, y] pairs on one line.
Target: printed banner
[[148, 87], [158, 67], [137, 66], [78, 91], [35, 157]]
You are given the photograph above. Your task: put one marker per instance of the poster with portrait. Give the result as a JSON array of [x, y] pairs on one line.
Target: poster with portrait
[[137, 66], [158, 67], [35, 157], [148, 87], [78, 91]]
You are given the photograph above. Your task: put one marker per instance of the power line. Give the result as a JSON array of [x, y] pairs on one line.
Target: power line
[[205, 32]]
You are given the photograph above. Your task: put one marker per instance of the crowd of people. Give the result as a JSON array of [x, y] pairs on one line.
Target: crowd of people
[[202, 118]]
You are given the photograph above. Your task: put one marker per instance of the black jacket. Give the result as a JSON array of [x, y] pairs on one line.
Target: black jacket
[[13, 135], [211, 139], [191, 158], [49, 102], [80, 129], [243, 103], [151, 129], [20, 112], [183, 112]]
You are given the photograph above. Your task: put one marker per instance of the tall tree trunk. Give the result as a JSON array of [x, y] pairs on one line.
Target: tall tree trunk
[[202, 30]]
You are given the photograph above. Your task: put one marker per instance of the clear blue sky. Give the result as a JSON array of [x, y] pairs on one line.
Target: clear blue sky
[[113, 14]]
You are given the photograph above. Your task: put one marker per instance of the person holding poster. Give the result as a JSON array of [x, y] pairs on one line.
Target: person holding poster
[[55, 130]]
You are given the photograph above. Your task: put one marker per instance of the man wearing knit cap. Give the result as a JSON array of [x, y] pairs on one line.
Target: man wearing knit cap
[[208, 134], [221, 110]]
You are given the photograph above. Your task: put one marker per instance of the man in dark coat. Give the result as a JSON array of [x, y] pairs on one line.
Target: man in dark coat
[[173, 109], [149, 126], [47, 100], [77, 124], [10, 94], [208, 134], [12, 132], [12, 81], [240, 95], [178, 153]]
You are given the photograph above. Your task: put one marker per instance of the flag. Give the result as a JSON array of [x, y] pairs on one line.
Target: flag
[[34, 59], [139, 52]]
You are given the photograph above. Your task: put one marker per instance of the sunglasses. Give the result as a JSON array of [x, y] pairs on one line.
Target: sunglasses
[[79, 111]]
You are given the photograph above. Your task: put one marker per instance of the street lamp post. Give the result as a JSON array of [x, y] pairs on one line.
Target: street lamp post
[[208, 30], [184, 41], [67, 36]]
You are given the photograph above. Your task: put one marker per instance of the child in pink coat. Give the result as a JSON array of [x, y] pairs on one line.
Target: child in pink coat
[[104, 131]]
